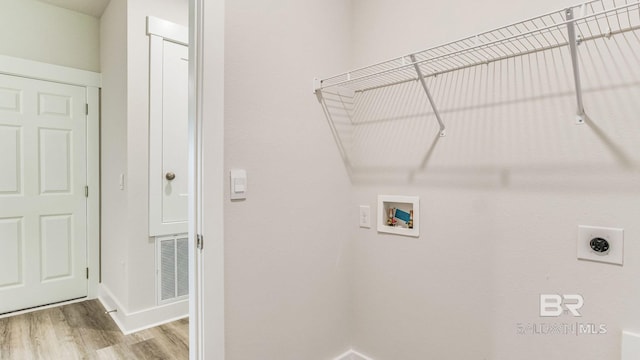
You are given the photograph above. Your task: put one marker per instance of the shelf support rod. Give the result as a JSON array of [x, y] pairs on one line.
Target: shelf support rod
[[426, 90], [573, 46], [334, 131]]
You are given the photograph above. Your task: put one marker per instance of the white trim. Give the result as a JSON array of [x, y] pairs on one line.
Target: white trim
[[167, 30], [196, 332], [206, 159], [42, 71], [352, 355], [93, 182], [156, 51], [130, 322], [196, 311]]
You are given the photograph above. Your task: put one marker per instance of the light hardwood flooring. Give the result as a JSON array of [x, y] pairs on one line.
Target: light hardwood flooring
[[83, 331]]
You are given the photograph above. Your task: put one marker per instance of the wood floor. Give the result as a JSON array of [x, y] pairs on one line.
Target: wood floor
[[83, 331]]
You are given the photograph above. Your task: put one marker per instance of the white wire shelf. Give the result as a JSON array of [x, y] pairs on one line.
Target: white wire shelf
[[381, 119], [589, 21]]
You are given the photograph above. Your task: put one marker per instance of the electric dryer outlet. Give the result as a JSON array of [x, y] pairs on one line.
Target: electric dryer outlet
[[601, 244]]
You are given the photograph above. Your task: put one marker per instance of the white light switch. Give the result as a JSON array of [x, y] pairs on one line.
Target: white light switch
[[238, 184]]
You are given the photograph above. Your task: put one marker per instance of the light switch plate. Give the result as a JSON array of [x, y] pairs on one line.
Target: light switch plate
[[365, 216], [238, 184], [615, 244]]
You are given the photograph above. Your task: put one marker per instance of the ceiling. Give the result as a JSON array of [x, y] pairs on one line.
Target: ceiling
[[94, 8]]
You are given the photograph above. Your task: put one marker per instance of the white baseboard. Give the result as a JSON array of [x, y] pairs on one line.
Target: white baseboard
[[353, 355], [130, 322]]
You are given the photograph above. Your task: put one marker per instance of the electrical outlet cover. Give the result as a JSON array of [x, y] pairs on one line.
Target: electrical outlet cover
[[614, 237], [365, 216]]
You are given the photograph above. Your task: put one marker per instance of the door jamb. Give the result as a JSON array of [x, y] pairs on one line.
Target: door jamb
[[206, 187]]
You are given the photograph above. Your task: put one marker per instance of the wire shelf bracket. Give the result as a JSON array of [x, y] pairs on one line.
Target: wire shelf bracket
[[573, 47], [426, 90]]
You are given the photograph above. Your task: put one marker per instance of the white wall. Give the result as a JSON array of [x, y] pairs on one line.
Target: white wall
[[287, 247], [502, 196], [113, 142], [128, 253], [38, 31]]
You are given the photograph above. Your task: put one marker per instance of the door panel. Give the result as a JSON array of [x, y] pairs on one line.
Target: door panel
[[42, 201], [11, 160], [54, 105], [168, 138], [55, 161], [175, 131], [56, 240], [11, 254], [10, 100]]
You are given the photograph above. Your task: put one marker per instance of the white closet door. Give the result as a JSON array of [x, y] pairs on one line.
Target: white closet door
[[42, 193], [168, 195], [175, 131]]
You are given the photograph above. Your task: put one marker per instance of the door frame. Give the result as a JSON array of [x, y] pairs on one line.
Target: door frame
[[206, 179], [92, 82]]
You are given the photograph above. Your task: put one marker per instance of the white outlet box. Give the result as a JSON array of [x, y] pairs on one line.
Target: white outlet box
[[614, 238], [365, 216]]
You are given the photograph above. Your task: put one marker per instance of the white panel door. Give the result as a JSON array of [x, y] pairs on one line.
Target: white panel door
[[42, 198], [168, 192]]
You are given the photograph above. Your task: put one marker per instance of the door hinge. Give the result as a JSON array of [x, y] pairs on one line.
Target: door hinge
[[86, 109], [86, 191], [199, 242], [87, 273]]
